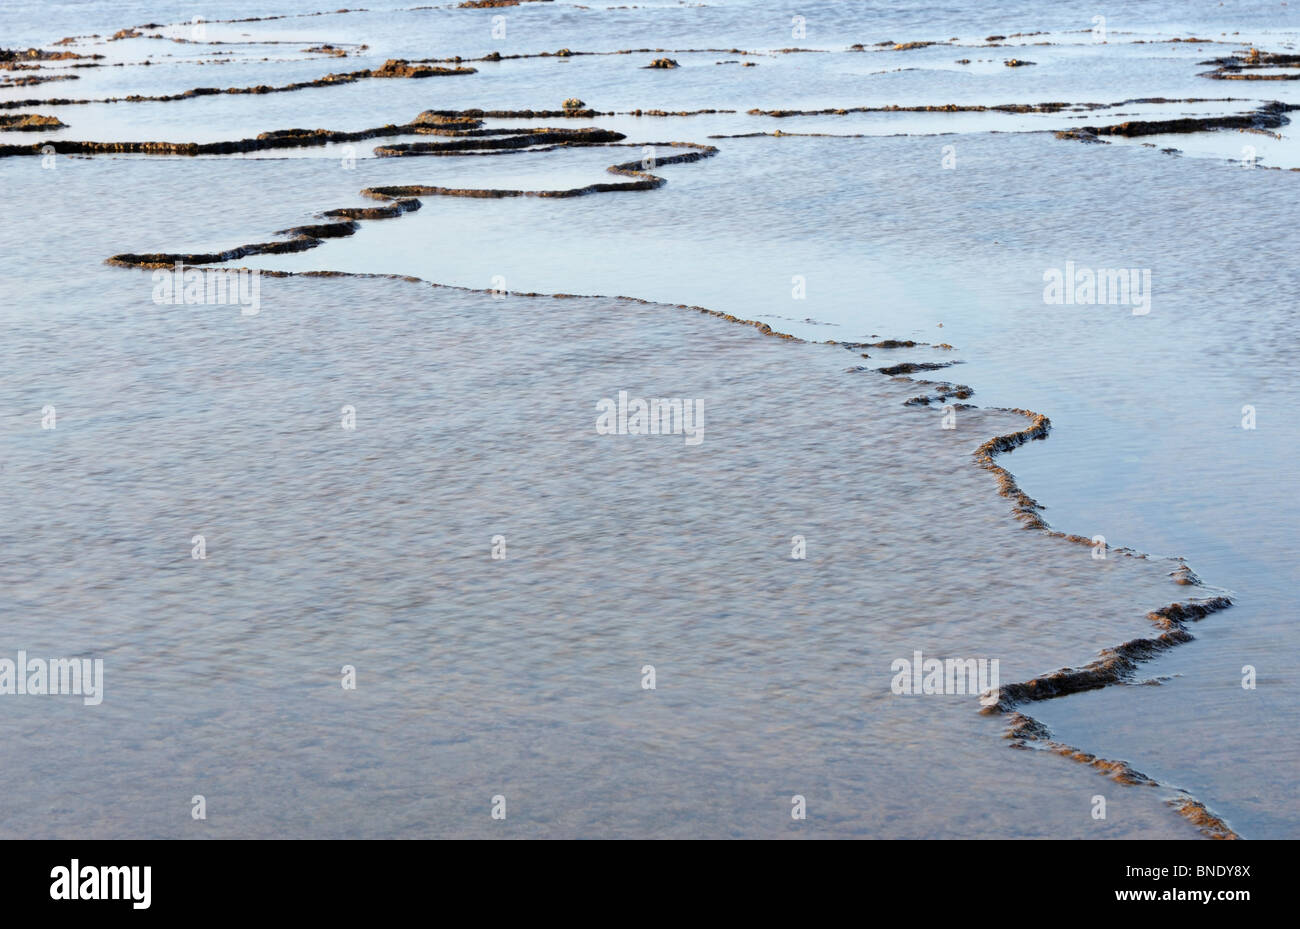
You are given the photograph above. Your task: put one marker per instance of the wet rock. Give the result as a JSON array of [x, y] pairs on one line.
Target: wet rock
[[10, 55], [375, 212], [911, 367], [516, 140], [322, 230], [1244, 67], [400, 68], [437, 118], [1196, 812], [1268, 116], [29, 122]]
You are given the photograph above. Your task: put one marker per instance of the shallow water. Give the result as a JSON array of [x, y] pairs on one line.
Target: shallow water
[[476, 418], [522, 676]]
